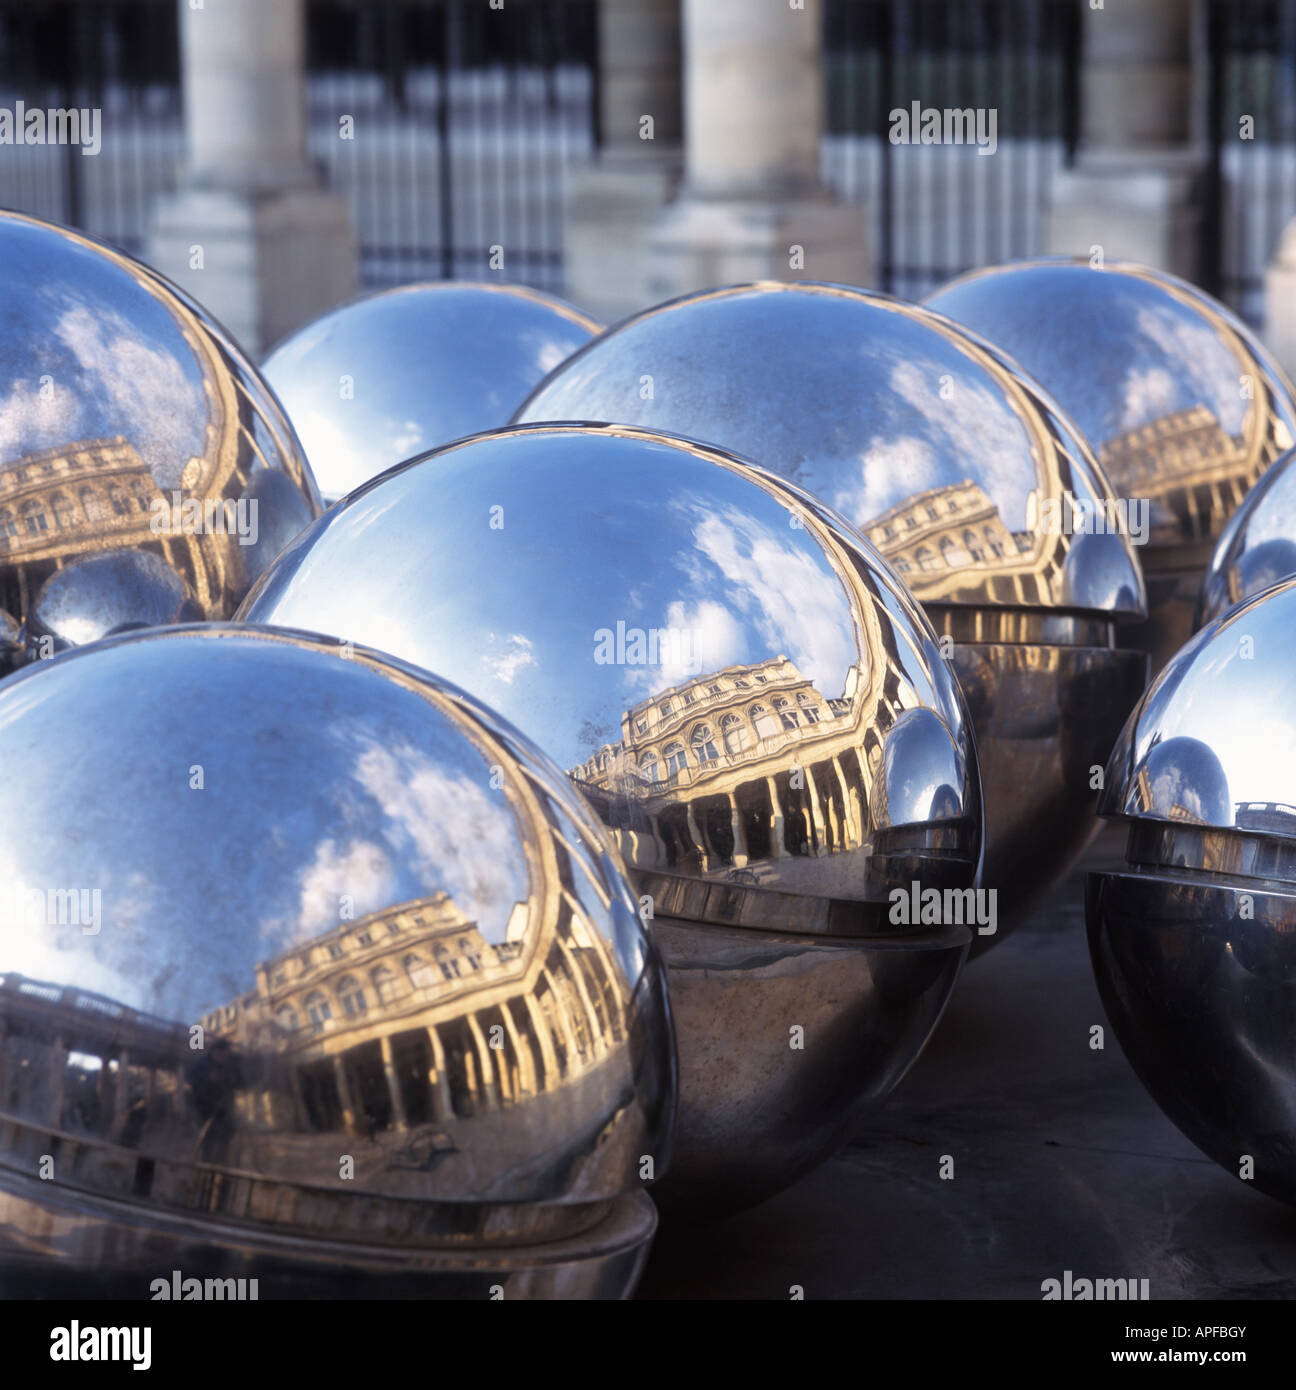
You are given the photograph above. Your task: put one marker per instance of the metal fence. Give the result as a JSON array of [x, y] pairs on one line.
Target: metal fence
[[463, 123], [941, 209], [1249, 192]]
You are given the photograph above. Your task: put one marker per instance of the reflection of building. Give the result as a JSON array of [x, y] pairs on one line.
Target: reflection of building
[[1186, 462], [409, 1016], [1275, 817], [748, 763], [946, 528], [87, 497]]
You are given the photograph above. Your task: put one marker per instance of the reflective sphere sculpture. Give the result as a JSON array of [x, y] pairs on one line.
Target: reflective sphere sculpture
[[751, 703], [959, 471], [1183, 406], [1194, 943], [394, 374], [1258, 546], [130, 421], [311, 970]]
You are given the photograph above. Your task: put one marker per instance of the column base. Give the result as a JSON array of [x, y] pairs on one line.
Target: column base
[[611, 207], [1136, 207], [698, 243], [269, 262]]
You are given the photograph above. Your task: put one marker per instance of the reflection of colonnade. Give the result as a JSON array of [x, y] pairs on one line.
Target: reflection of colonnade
[[753, 762], [84, 497], [410, 1016]]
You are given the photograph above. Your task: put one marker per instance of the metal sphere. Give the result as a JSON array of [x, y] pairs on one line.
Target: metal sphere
[[394, 374], [1183, 406], [311, 969], [130, 421], [959, 471], [1194, 942], [750, 701], [1258, 546]]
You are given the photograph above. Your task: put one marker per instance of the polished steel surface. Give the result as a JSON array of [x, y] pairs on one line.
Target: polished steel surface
[[102, 594], [130, 420], [299, 944], [742, 692], [1194, 943], [735, 683], [865, 1008], [1258, 546], [1183, 406], [1212, 743], [960, 471], [394, 374], [1198, 977], [946, 458]]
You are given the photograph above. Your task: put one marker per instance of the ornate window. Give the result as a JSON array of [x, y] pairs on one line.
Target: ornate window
[[764, 721], [34, 518], [418, 971], [704, 749], [384, 983], [676, 759], [649, 769], [8, 526], [318, 1010], [351, 993], [61, 505], [286, 1018], [733, 734]]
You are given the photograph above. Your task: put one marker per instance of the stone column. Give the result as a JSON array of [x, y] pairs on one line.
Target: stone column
[[778, 850], [544, 1040], [399, 1120], [753, 206], [439, 1078], [611, 203], [738, 833], [1132, 188], [350, 1110], [252, 234]]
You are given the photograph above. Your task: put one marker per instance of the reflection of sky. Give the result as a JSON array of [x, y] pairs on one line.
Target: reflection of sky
[[1271, 514], [1239, 707], [596, 531], [842, 396], [1113, 350], [115, 358], [355, 788], [428, 364]]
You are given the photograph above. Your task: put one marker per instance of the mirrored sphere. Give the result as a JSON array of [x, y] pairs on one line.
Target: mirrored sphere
[[131, 421], [1183, 406], [1258, 546], [744, 695], [311, 969], [959, 471], [394, 374], [1194, 942]]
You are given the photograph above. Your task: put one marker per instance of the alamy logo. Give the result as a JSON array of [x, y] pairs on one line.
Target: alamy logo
[[205, 516], [948, 907], [77, 1343], [1069, 515], [917, 124], [52, 125], [181, 1289], [653, 646], [1094, 1290], [23, 907]]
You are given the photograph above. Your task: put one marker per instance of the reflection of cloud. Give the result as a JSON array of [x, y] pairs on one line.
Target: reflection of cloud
[[700, 638], [929, 440], [114, 380], [787, 594], [460, 833], [361, 872], [1200, 370], [517, 655]]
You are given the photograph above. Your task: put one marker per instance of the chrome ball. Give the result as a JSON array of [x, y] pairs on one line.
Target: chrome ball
[[745, 696], [311, 969], [960, 472], [1258, 546], [103, 594], [130, 421], [394, 374], [1194, 942], [1183, 406]]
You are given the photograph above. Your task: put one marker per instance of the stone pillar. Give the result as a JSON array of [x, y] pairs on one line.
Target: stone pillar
[[490, 1092], [438, 1078], [399, 1120], [252, 233], [753, 206], [738, 833], [350, 1110], [778, 850], [544, 1040], [1133, 188], [611, 203]]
